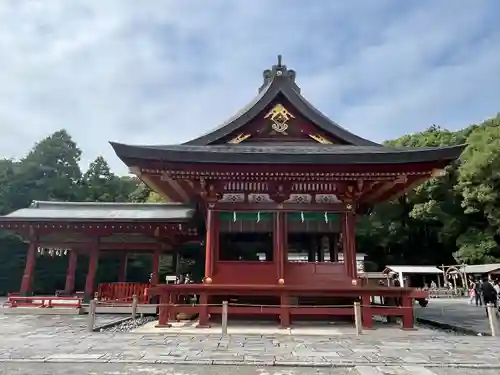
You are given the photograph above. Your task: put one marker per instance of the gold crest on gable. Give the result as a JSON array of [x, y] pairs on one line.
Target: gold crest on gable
[[279, 116]]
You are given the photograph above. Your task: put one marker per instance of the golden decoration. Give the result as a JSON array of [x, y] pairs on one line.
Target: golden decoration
[[239, 138], [320, 139], [208, 280], [279, 115], [354, 282], [281, 281]]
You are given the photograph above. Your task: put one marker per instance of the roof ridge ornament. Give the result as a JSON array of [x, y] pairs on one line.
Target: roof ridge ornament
[[278, 70]]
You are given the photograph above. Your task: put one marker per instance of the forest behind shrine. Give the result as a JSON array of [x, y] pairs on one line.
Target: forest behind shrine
[[447, 220]]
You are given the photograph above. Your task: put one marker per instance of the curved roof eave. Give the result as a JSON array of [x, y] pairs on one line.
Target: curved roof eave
[[325, 154], [280, 84]]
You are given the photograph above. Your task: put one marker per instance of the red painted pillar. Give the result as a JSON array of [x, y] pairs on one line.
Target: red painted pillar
[[29, 270], [279, 244], [210, 242], [284, 231], [93, 262], [70, 274], [156, 267], [122, 273], [349, 243]]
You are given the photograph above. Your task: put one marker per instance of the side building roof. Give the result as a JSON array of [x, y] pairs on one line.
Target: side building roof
[[97, 212]]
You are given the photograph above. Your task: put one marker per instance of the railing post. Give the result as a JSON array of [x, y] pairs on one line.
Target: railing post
[[490, 310], [357, 318], [224, 318], [91, 317], [134, 306]]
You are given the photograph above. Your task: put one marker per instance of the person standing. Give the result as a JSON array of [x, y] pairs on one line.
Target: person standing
[[472, 290], [489, 294], [478, 292]]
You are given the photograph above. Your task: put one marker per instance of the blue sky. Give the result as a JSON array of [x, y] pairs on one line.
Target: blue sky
[[159, 72]]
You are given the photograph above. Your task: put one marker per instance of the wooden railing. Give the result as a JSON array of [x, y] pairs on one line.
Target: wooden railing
[[44, 302], [123, 292]]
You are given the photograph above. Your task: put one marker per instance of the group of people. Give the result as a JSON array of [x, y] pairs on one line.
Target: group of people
[[485, 291]]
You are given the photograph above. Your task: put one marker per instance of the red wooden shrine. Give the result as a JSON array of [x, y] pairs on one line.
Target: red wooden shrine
[[278, 178]]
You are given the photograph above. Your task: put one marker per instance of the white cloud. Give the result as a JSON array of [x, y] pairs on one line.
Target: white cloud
[[166, 71]]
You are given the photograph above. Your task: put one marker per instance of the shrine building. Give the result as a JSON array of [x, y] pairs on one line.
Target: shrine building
[[268, 201]]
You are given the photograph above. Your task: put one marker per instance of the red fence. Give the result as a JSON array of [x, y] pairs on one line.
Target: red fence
[[123, 292], [44, 302]]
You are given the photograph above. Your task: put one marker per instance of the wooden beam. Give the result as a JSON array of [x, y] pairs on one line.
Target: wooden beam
[[385, 187], [273, 207], [150, 182], [184, 197], [412, 185]]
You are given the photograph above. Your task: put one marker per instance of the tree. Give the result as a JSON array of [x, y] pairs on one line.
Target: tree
[[50, 171], [479, 184], [154, 197]]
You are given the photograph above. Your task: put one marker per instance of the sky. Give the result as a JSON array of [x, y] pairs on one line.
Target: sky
[[163, 72]]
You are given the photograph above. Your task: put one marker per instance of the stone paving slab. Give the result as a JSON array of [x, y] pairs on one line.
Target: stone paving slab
[[20, 368], [51, 340]]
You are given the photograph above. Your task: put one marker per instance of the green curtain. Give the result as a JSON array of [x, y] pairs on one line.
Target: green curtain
[[291, 216]]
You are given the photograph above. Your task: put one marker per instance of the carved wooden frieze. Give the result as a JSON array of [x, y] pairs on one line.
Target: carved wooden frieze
[[233, 198], [299, 198], [326, 198]]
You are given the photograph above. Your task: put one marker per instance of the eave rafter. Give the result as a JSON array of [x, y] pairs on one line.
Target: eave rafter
[[154, 183], [384, 187], [438, 172], [180, 192]]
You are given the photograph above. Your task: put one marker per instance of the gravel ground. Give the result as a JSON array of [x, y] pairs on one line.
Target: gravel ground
[[130, 324]]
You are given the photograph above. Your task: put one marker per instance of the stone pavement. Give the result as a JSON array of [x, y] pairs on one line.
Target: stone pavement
[[139, 369], [456, 313], [40, 341]]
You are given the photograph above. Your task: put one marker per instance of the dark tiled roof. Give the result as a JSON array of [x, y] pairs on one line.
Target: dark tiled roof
[[280, 84], [101, 211], [289, 154]]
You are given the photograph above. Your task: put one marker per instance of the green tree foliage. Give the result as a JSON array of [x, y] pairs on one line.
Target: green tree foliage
[[449, 219], [154, 197], [51, 171], [99, 184]]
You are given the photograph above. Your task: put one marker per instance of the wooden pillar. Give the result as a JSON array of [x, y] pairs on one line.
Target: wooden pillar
[[284, 310], [175, 262], [164, 311], [203, 322], [210, 242], [279, 243], [407, 306], [93, 263], [332, 240], [284, 230], [122, 273], [311, 251], [349, 243], [29, 269], [320, 251], [366, 312], [156, 266], [70, 273]]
